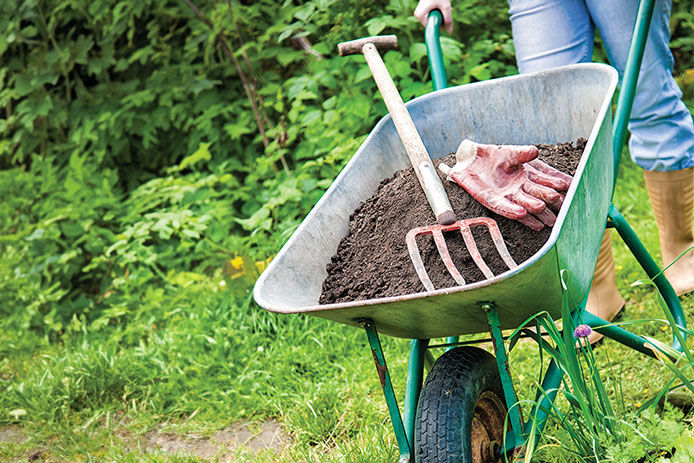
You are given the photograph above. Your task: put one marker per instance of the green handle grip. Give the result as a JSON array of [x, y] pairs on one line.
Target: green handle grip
[[627, 87], [433, 43]]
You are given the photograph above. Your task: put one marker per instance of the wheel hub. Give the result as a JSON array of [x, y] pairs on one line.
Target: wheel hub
[[487, 428]]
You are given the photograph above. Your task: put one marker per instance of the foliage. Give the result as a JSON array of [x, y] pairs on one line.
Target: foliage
[[598, 424], [682, 28], [140, 200], [136, 115], [46, 242]]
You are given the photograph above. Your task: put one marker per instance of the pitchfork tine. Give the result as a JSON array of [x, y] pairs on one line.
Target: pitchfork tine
[[474, 252], [464, 227], [499, 243], [446, 257], [417, 259]]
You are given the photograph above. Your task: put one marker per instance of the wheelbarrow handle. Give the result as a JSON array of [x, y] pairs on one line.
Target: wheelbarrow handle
[[433, 44], [627, 91]]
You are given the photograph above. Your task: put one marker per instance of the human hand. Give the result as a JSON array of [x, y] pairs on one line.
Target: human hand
[[510, 180], [424, 7]]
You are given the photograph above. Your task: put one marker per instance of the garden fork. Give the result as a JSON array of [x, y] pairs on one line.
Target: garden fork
[[437, 232]]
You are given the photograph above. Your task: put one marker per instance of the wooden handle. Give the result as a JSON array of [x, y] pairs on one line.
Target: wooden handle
[[382, 42], [414, 146], [401, 117]]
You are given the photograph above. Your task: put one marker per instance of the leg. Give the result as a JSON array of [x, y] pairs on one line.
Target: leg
[[672, 196], [413, 387], [662, 140], [604, 299], [388, 392], [550, 33], [662, 132]]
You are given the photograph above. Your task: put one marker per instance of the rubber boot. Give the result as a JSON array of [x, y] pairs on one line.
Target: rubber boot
[[672, 196], [604, 299]]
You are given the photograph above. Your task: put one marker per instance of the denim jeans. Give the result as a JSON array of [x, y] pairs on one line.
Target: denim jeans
[[550, 33]]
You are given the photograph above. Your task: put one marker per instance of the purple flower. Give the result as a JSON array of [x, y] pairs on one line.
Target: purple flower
[[582, 331]]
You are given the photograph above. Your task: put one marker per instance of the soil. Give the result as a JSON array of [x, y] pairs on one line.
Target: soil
[[372, 261], [12, 435], [224, 445]]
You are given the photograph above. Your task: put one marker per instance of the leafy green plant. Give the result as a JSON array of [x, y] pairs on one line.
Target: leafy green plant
[[599, 425], [48, 244]]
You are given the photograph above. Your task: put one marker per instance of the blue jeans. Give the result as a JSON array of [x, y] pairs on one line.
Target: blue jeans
[[550, 33]]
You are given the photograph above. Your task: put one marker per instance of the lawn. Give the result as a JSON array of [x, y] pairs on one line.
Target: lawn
[[197, 359], [139, 205]]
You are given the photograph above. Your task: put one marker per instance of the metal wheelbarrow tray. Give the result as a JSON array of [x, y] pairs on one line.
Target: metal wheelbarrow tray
[[548, 107]]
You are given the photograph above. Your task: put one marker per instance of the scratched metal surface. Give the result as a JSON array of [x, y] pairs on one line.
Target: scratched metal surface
[[547, 107]]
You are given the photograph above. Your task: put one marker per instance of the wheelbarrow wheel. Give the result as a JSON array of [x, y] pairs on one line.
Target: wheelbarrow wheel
[[461, 411]]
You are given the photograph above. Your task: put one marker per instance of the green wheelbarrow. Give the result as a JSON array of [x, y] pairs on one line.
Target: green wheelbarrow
[[546, 107]]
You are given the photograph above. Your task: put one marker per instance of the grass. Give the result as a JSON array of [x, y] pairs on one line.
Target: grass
[[192, 360], [202, 359]]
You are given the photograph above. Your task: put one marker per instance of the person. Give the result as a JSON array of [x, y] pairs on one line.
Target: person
[[551, 33]]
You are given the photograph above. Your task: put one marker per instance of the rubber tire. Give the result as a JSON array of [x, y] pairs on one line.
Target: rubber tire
[[447, 402]]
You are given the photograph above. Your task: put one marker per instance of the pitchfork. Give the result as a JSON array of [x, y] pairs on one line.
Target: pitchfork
[[425, 172]]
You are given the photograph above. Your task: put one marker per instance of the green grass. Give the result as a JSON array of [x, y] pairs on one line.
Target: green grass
[[201, 359]]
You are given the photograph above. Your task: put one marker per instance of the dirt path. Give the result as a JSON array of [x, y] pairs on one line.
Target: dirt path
[[223, 445]]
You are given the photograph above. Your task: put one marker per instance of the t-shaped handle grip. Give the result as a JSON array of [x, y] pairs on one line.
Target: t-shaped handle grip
[[381, 42]]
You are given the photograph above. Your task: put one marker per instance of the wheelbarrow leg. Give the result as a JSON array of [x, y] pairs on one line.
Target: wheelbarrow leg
[[415, 374], [618, 334], [387, 386], [514, 411], [674, 307], [544, 401]]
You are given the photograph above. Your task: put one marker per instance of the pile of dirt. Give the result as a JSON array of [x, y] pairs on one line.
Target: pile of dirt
[[372, 261]]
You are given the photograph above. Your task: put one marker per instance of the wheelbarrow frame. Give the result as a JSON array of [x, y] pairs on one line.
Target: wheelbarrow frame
[[420, 353]]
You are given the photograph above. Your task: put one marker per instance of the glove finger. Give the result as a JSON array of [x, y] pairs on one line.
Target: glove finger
[[520, 154], [547, 180], [549, 170], [510, 157], [500, 205], [547, 217], [543, 193], [530, 203], [532, 222], [489, 198], [503, 206]]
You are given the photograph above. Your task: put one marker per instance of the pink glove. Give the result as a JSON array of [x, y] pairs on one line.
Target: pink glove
[[426, 6], [509, 180]]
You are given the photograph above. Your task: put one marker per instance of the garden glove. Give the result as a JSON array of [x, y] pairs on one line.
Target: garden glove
[[510, 181]]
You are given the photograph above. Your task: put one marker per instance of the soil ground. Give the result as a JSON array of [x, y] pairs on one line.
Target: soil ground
[[245, 440], [267, 435], [372, 261]]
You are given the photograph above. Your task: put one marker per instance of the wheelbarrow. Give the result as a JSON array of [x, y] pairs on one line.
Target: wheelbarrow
[[545, 107]]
